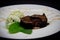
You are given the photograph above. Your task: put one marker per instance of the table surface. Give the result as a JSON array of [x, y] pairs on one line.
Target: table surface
[[51, 3]]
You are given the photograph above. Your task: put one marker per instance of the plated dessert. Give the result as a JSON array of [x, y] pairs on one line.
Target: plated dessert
[[28, 21], [17, 22]]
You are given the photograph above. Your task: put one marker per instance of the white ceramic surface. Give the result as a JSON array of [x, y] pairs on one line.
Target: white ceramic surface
[[29, 9]]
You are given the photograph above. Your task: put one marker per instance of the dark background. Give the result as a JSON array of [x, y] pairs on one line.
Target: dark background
[[52, 3]]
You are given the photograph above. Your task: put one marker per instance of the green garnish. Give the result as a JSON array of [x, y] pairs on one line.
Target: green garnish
[[27, 31], [15, 28]]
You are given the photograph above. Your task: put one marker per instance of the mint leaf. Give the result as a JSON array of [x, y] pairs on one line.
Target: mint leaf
[[15, 28], [27, 31]]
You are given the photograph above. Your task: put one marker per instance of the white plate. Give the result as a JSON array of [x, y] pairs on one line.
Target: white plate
[[29, 9]]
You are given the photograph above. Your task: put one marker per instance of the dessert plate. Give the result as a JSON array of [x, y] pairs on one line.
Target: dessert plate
[[52, 14]]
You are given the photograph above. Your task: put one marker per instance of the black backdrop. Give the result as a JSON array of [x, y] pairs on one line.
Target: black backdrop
[[52, 3]]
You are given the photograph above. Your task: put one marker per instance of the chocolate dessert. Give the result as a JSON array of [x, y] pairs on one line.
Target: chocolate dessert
[[29, 22]]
